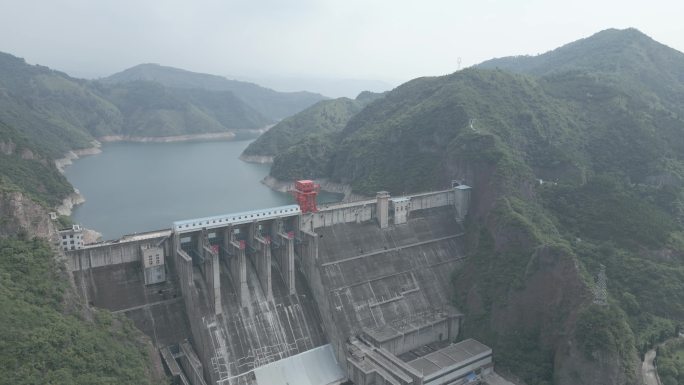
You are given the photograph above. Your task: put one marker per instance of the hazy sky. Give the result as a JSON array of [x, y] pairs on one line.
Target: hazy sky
[[390, 40]]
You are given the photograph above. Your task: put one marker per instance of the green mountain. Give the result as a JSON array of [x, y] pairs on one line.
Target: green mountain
[[610, 52], [26, 169], [57, 113], [54, 111], [49, 336], [151, 109], [323, 118], [272, 104], [576, 162]]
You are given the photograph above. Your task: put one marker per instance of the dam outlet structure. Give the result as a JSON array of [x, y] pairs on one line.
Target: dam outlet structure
[[297, 294]]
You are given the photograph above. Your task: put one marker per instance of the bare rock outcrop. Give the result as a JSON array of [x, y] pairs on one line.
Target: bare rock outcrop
[[20, 214]]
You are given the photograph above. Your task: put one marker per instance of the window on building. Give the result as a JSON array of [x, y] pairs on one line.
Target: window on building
[[63, 236]]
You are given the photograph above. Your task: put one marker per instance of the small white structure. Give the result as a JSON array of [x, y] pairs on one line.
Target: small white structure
[[401, 208], [153, 264], [70, 239]]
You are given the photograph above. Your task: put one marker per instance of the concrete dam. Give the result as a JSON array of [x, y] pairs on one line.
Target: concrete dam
[[353, 292]]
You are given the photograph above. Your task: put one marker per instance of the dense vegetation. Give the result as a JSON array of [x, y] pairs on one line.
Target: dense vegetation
[[577, 160], [670, 360], [53, 111], [26, 169], [48, 337], [271, 104], [325, 117], [151, 109]]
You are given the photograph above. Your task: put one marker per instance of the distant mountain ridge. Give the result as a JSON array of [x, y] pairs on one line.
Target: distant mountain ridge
[[611, 51], [272, 104], [618, 55]]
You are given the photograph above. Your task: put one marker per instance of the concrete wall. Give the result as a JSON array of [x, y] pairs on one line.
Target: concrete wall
[[432, 200], [191, 365], [307, 251], [362, 211], [112, 253], [212, 278], [355, 212], [196, 307], [439, 378], [445, 329], [400, 210]]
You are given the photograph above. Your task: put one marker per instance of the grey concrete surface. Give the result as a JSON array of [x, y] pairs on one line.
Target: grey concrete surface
[[389, 282]]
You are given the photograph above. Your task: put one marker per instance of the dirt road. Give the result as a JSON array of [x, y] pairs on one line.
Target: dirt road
[[648, 370]]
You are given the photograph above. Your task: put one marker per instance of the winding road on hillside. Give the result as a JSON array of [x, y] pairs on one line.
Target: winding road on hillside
[[648, 371]]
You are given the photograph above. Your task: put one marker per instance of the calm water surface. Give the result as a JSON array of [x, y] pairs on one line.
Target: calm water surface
[[136, 187]]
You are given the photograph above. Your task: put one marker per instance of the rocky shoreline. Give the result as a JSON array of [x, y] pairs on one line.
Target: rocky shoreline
[[72, 155], [260, 159], [68, 203], [326, 185], [75, 198], [167, 139]]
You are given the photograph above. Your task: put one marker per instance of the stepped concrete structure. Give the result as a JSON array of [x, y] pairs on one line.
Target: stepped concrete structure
[[354, 291]]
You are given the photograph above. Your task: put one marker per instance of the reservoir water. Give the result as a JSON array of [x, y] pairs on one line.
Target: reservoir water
[[137, 187]]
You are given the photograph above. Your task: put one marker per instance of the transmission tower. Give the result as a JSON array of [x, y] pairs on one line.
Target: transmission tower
[[601, 290]]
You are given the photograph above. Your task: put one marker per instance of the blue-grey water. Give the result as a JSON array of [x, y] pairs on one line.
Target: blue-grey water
[[137, 187]]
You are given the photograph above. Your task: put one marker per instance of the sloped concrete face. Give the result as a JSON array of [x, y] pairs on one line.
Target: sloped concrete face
[[390, 285], [264, 331]]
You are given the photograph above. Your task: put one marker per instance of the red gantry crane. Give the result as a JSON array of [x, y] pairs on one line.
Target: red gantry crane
[[305, 193]]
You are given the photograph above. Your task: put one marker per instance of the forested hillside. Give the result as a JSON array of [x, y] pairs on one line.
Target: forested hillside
[[576, 161], [27, 169], [151, 109], [49, 337], [324, 119], [47, 334], [55, 112]]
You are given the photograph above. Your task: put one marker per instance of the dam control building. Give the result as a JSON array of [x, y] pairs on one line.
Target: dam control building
[[353, 291]]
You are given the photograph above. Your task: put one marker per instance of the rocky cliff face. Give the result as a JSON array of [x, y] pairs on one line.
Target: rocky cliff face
[[20, 214], [573, 367], [522, 294]]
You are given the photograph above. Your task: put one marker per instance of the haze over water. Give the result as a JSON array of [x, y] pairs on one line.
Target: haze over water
[[137, 187]]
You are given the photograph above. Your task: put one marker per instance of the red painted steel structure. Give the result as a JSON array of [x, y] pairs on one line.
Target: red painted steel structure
[[305, 193]]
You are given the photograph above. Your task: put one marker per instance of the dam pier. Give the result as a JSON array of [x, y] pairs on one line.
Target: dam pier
[[298, 294]]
